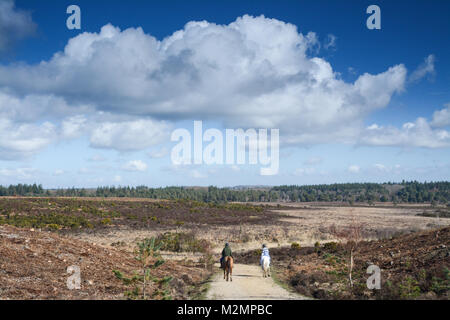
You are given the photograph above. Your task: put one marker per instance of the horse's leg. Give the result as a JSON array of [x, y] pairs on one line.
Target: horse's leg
[[231, 273], [263, 267]]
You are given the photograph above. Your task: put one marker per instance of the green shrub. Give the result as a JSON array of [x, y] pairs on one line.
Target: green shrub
[[53, 226], [409, 288], [106, 221], [257, 252], [441, 286], [330, 246], [295, 245], [181, 242]]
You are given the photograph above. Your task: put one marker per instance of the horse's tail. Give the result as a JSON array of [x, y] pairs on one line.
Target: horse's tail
[[265, 263], [230, 262]]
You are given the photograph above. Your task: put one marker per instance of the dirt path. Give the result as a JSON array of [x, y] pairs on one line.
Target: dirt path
[[248, 283]]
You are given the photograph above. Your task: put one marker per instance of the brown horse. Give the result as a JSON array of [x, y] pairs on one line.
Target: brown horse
[[228, 268]]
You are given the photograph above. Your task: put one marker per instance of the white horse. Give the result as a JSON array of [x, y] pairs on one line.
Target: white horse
[[265, 265]]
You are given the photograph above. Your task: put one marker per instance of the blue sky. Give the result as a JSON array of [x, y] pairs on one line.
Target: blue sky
[[97, 106]]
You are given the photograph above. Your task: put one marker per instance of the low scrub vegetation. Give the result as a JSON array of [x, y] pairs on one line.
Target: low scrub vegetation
[[52, 221], [413, 266], [181, 242], [74, 213], [440, 213], [187, 242]]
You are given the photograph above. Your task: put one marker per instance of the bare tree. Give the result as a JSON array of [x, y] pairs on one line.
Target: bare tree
[[352, 235]]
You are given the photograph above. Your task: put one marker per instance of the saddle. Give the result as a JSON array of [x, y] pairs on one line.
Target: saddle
[[222, 263]]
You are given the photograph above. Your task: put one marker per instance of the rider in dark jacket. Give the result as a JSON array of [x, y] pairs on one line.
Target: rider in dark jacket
[[226, 252]]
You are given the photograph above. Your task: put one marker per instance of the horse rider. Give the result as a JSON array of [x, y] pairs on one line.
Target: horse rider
[[226, 252], [265, 253]]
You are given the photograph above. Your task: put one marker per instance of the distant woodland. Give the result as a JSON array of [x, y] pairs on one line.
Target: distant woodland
[[404, 192]]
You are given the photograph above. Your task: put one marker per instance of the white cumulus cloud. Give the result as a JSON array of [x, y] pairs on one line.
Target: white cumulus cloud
[[116, 87], [22, 173], [412, 134], [135, 165], [253, 72], [22, 140], [354, 169], [441, 118], [129, 135]]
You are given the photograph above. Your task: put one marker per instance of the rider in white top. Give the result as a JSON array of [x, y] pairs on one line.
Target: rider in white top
[[265, 253]]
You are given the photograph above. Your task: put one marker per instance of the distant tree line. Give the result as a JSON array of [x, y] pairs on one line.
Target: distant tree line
[[404, 192], [22, 190]]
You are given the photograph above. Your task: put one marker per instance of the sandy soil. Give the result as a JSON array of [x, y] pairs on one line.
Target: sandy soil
[[248, 284]]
